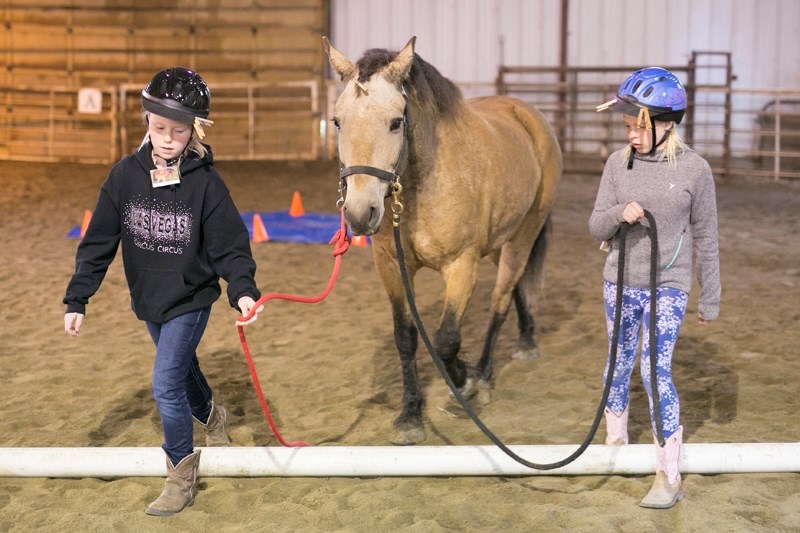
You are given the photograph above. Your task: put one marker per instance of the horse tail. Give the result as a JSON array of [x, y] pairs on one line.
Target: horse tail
[[531, 282]]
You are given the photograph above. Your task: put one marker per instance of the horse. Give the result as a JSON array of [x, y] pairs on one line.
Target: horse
[[465, 179]]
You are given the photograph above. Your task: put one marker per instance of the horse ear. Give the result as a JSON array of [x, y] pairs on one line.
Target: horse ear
[[338, 61], [397, 71]]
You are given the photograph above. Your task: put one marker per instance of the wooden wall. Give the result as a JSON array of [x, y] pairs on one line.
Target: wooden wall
[[76, 43], [52, 48]]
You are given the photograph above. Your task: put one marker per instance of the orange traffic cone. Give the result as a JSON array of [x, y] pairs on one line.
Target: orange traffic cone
[[296, 210], [259, 230], [87, 216], [359, 241]]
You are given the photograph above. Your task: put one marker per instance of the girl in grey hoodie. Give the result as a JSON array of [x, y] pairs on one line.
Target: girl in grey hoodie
[[659, 173]]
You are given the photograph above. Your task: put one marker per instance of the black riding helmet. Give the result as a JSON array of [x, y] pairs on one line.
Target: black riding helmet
[[179, 94]]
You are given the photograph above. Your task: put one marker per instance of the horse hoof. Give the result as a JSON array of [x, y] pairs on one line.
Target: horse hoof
[[526, 354], [468, 391], [408, 436], [484, 392]]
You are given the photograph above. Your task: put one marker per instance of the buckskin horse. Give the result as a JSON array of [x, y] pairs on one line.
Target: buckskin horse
[[478, 178]]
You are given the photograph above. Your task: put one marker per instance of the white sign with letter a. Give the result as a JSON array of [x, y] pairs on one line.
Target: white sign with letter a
[[90, 101]]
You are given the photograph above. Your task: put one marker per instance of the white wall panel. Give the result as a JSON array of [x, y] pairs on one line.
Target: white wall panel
[[462, 38], [531, 32]]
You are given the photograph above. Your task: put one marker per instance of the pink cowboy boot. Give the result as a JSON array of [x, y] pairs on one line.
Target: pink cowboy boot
[[666, 490], [616, 427]]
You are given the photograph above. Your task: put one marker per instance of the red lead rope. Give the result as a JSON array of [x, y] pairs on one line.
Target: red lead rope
[[340, 242]]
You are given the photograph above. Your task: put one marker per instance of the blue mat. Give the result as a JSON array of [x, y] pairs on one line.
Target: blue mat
[[74, 233], [310, 228]]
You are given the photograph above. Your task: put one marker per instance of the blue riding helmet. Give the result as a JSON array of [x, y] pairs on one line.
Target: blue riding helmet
[[653, 88]]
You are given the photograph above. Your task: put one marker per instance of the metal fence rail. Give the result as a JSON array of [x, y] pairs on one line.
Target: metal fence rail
[[252, 121], [43, 124], [742, 132]]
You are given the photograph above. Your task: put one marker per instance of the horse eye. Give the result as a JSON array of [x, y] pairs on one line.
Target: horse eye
[[395, 124], [336, 123]]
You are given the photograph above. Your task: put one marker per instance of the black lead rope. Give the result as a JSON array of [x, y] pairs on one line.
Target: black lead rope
[[652, 232], [611, 361]]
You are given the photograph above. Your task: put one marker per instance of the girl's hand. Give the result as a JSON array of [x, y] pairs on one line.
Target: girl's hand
[[72, 323], [702, 321], [632, 213], [246, 304]]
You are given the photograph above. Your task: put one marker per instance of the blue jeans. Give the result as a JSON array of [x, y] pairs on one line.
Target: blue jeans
[[670, 308], [179, 387]]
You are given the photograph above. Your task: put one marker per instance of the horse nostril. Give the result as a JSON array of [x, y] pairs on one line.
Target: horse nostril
[[374, 218]]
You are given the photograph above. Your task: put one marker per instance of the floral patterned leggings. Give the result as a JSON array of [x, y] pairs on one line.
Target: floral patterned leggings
[[670, 308]]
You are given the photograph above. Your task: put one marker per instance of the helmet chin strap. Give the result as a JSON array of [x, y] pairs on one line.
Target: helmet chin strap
[[659, 143], [167, 162], [644, 115], [653, 143], [174, 160]]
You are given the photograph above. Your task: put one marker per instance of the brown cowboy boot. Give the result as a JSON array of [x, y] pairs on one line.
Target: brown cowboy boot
[[616, 427], [667, 489], [217, 427], [179, 488]]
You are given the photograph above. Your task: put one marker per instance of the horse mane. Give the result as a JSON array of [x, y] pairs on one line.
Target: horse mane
[[433, 93]]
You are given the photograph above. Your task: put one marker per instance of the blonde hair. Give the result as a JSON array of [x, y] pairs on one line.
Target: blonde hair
[[194, 144], [670, 149]]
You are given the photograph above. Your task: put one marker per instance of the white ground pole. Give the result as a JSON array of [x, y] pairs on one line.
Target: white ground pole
[[387, 461]]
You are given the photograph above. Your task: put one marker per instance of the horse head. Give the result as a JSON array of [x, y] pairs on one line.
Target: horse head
[[370, 115]]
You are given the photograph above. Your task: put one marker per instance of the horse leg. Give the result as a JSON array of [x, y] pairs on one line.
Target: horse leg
[[524, 292], [507, 278], [460, 277], [408, 427], [484, 366], [526, 345], [519, 267]]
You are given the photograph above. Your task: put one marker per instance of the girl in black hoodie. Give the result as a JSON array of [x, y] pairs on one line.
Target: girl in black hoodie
[[180, 232]]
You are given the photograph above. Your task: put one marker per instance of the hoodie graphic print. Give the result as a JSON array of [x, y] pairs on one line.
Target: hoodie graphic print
[[158, 226]]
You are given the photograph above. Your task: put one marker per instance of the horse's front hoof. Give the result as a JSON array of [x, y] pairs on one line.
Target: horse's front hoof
[[408, 435], [484, 392], [526, 354], [468, 391]]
